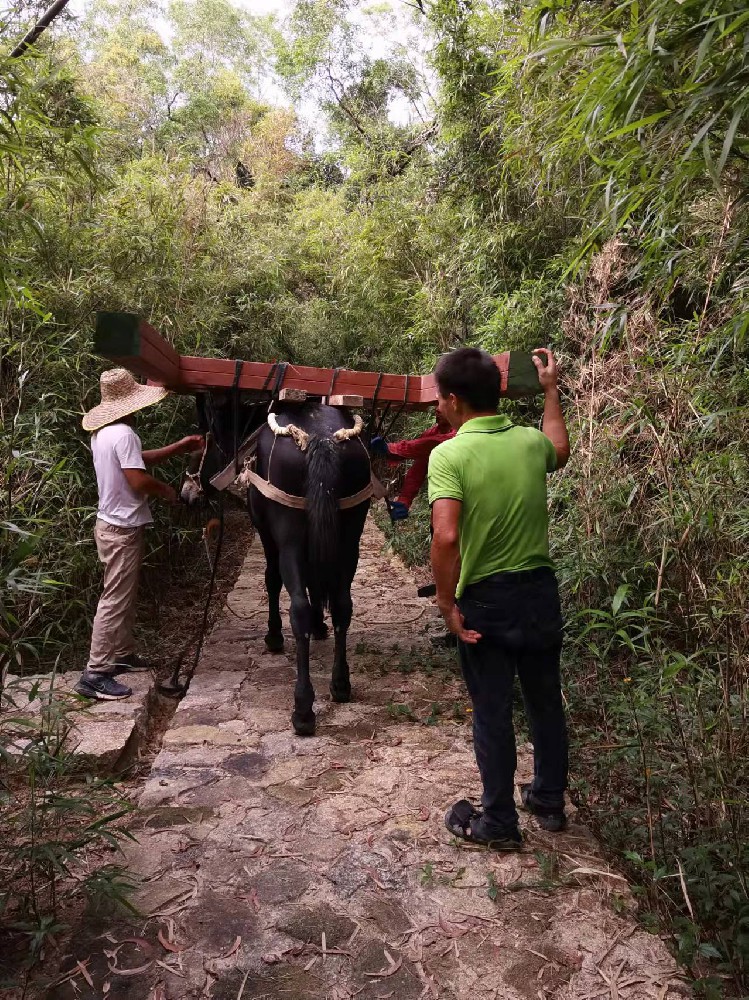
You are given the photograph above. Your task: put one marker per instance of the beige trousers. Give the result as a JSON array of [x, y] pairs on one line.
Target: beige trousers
[[121, 552]]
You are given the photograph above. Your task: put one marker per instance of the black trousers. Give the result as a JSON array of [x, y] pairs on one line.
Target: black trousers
[[520, 620]]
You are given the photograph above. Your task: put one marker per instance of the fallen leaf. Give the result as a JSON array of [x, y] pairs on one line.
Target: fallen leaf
[[391, 969], [116, 971], [180, 902], [85, 973], [169, 945], [145, 946], [170, 969], [234, 948], [595, 871]]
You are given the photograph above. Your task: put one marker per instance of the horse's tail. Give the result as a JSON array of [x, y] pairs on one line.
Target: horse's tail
[[323, 470]]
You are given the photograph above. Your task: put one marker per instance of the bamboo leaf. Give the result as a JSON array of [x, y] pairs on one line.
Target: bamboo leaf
[[728, 141], [633, 126]]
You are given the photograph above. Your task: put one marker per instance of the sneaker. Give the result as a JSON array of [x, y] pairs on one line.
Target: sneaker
[[101, 687], [549, 819], [131, 664]]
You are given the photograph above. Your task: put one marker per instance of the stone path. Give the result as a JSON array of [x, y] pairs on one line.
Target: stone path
[[280, 867], [108, 735]]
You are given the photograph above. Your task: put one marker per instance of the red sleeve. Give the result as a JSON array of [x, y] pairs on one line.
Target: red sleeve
[[422, 446], [414, 479]]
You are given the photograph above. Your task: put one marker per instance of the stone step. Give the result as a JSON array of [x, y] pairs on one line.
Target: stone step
[[106, 735]]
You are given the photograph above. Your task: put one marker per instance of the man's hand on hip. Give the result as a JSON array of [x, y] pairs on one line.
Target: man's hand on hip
[[456, 624]]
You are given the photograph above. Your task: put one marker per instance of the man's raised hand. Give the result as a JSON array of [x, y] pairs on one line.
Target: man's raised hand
[[547, 371]]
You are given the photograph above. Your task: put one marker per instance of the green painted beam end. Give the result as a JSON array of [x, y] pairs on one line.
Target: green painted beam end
[[116, 335], [522, 377]]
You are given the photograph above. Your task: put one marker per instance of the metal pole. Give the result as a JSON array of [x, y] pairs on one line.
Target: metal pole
[[44, 22]]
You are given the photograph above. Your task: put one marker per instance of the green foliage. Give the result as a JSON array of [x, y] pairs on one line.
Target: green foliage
[[579, 181], [55, 818], [604, 147]]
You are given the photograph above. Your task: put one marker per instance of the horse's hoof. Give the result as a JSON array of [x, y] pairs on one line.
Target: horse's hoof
[[303, 726], [320, 633], [274, 643], [340, 693]]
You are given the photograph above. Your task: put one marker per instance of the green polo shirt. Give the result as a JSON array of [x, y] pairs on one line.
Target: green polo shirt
[[498, 472]]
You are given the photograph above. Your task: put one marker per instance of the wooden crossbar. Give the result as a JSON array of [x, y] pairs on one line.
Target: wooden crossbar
[[128, 341]]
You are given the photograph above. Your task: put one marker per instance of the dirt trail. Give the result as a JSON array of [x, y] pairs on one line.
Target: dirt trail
[[280, 867]]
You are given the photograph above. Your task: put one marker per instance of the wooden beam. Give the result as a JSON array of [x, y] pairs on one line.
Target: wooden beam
[[292, 396], [205, 373], [127, 340], [356, 402], [219, 372]]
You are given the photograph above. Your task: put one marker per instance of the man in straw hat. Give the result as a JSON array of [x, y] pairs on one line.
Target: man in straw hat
[[122, 516]]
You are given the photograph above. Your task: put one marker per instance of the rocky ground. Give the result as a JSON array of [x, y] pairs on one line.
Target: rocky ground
[[278, 867]]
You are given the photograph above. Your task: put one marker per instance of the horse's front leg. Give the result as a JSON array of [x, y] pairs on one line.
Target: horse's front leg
[[302, 718]]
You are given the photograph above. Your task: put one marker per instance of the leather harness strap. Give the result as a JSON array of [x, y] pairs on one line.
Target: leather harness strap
[[299, 503]]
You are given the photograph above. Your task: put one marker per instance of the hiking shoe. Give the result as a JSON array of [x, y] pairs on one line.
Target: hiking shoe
[[549, 819], [130, 664], [101, 687]]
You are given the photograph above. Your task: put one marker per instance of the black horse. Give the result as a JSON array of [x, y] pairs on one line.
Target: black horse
[[314, 551]]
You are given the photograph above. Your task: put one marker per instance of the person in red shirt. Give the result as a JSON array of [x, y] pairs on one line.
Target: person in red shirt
[[416, 450]]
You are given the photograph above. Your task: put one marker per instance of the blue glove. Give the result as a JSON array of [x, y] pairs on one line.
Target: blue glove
[[378, 446], [398, 511]]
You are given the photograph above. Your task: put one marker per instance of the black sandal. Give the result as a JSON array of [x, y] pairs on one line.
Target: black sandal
[[463, 822]]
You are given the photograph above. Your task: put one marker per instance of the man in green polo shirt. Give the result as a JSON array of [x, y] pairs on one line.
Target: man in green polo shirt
[[496, 587]]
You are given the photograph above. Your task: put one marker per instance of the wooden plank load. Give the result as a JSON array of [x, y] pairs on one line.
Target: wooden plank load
[[128, 341]]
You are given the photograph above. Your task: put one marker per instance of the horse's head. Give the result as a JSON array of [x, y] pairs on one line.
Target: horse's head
[[225, 427]]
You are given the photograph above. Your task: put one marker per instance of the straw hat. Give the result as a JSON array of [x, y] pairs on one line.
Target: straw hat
[[120, 395]]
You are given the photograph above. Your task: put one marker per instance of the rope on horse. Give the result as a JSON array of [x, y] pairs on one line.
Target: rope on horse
[[301, 438], [348, 433]]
